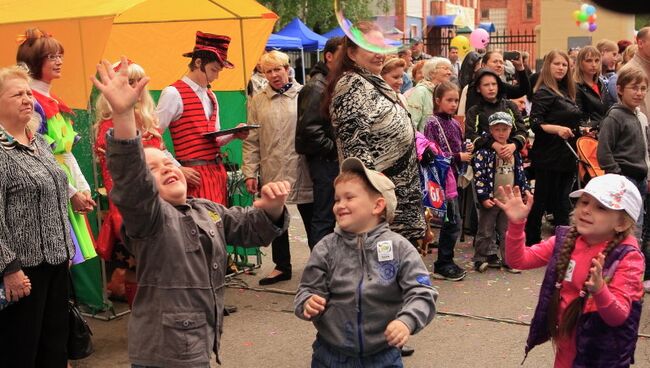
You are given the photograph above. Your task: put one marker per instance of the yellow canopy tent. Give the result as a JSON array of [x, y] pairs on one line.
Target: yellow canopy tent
[[153, 33]]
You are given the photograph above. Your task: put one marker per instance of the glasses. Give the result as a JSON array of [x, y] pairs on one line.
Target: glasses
[[638, 89], [54, 57]]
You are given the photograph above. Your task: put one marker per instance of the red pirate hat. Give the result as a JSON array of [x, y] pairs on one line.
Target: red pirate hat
[[216, 44]]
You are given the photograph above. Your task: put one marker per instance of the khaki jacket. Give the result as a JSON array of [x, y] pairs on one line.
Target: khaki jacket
[[177, 315], [270, 150]]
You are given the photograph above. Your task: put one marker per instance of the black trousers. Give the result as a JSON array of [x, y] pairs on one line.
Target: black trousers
[[322, 174], [280, 246], [552, 190], [34, 330]]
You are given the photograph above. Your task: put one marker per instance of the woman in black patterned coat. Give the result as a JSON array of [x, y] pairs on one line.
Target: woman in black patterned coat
[[372, 124]]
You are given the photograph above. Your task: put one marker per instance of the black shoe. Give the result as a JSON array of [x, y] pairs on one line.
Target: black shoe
[[229, 309], [407, 351], [284, 276], [449, 272], [480, 266], [510, 269], [494, 261]]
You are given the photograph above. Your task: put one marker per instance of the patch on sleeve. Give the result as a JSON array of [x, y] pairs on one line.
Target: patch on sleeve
[[423, 280], [214, 216]]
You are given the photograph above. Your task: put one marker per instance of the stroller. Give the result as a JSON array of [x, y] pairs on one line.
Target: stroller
[[588, 167]]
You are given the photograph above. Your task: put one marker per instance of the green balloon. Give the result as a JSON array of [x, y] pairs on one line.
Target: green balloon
[[582, 17]]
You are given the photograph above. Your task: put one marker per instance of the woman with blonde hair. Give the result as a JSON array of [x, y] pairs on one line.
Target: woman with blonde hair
[[555, 120], [590, 91], [420, 101], [35, 239], [393, 73], [109, 243]]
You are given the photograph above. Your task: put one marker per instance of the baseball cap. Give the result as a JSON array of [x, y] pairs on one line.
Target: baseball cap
[[500, 117], [378, 181], [615, 192]]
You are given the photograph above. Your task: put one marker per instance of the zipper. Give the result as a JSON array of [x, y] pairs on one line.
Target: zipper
[[360, 242]]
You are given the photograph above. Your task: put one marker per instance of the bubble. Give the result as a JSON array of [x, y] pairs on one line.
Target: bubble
[[389, 38]]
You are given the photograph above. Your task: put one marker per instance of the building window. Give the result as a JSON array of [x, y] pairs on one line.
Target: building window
[[485, 13], [529, 9]]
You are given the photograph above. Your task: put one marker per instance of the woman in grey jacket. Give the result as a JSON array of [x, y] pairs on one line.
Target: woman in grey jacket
[[35, 243]]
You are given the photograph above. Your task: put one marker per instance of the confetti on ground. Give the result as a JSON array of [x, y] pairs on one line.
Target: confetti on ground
[[248, 343]]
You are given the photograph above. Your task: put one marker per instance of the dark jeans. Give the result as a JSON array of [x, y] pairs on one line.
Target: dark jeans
[[552, 190], [322, 174], [325, 356], [34, 330], [280, 246], [449, 234]]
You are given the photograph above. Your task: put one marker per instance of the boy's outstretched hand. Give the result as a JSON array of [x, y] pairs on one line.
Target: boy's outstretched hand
[[314, 306], [120, 95], [272, 198], [515, 206], [397, 333]]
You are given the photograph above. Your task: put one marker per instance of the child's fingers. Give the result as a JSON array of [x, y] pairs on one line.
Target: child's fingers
[[319, 299]]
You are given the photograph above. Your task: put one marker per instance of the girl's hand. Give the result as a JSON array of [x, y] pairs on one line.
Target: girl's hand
[[272, 198], [115, 86], [488, 203], [397, 333], [465, 156], [469, 147], [314, 306], [514, 205], [596, 282], [564, 132]]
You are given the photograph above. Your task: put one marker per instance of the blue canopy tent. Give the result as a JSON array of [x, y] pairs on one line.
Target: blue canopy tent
[[311, 41], [336, 32], [277, 42]]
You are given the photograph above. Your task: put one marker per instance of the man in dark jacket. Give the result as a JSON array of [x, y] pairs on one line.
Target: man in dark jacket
[[315, 139]]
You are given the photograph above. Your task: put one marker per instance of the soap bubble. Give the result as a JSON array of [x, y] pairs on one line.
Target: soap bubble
[[386, 41]]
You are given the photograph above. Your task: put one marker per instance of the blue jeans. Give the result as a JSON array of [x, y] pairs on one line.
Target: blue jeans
[[449, 234], [323, 173], [325, 356]]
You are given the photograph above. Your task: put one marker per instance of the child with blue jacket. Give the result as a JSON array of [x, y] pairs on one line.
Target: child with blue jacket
[[491, 172], [365, 287]]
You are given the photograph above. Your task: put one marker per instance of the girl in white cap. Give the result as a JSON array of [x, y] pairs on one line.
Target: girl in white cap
[[590, 299]]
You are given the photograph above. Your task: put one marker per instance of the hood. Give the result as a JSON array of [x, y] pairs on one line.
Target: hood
[[486, 71], [369, 238], [319, 68]]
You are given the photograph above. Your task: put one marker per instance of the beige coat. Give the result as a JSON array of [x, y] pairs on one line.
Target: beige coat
[[643, 64], [270, 150]]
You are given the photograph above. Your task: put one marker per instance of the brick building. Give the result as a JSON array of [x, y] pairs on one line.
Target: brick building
[[511, 15]]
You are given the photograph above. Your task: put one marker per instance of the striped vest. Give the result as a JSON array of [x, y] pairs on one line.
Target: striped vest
[[186, 132]]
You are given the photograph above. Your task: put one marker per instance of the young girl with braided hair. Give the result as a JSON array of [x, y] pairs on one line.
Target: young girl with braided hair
[[590, 300]]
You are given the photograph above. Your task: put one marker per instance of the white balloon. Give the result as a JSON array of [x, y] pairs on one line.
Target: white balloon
[[584, 26], [584, 8]]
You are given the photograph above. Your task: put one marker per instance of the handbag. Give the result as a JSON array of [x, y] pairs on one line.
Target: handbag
[[432, 185], [80, 344]]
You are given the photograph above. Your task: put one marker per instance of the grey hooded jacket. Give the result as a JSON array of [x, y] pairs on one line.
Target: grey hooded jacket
[[363, 294]]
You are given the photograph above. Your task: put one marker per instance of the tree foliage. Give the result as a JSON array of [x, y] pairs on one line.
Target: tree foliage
[[319, 14]]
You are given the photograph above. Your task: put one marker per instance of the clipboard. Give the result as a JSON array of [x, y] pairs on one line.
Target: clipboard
[[234, 130]]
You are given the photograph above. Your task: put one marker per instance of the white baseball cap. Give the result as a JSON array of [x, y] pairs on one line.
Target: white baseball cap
[[615, 192]]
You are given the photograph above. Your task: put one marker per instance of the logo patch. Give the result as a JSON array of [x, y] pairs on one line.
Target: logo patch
[[423, 280], [214, 216]]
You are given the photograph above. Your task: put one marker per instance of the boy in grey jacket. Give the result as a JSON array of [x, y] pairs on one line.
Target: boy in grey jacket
[[365, 287], [179, 242]]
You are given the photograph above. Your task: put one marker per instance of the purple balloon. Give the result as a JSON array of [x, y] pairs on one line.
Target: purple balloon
[[592, 27]]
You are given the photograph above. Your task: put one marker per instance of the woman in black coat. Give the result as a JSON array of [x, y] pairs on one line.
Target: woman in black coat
[[555, 120], [589, 88]]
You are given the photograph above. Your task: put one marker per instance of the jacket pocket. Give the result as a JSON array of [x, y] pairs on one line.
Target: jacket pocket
[[185, 336]]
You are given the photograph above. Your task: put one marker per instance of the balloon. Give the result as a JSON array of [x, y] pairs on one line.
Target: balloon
[[584, 26], [583, 17], [590, 10], [576, 14], [373, 41], [479, 38], [592, 18], [592, 27], [461, 43], [583, 8]]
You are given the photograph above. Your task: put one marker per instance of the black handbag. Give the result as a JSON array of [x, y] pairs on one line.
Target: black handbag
[[80, 344]]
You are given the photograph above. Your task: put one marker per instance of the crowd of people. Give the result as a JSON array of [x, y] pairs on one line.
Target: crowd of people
[[349, 149]]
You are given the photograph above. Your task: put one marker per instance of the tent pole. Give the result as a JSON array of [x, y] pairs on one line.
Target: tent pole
[[302, 55]]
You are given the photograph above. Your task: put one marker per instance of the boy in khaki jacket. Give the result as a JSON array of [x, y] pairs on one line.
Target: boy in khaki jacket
[[179, 242]]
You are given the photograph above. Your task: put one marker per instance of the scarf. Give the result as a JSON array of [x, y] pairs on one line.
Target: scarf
[[283, 89]]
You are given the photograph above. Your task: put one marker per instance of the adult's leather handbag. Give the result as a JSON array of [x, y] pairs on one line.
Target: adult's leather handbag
[[80, 344]]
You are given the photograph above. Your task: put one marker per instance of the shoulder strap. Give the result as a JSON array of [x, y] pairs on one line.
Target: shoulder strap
[[442, 133]]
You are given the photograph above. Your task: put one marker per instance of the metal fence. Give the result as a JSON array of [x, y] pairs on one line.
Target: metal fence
[[438, 40]]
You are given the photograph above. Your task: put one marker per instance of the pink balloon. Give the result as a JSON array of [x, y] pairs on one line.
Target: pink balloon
[[479, 38]]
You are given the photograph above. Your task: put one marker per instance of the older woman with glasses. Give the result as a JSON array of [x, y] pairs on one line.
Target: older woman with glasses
[[420, 102], [43, 55], [35, 238]]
